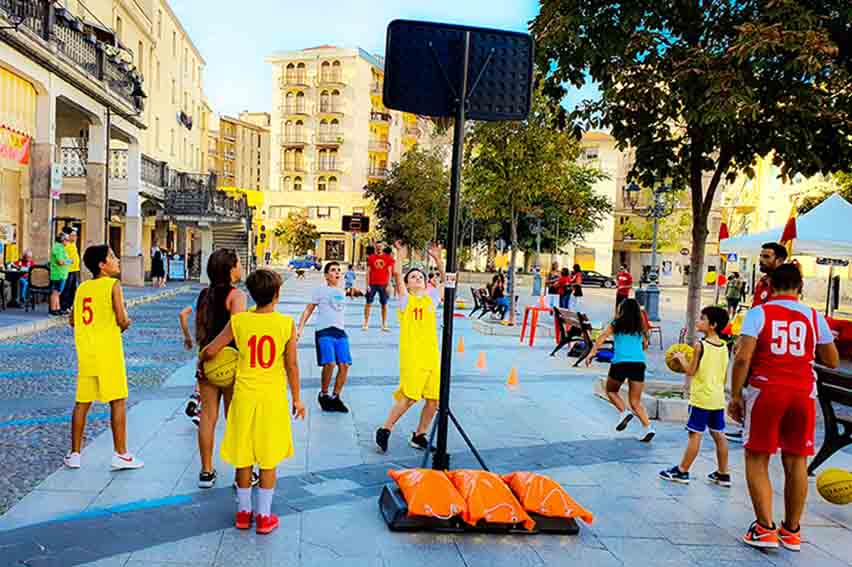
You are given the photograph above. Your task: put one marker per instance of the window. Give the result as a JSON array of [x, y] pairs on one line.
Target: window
[[325, 72], [590, 153], [151, 66], [323, 128], [159, 24], [297, 184], [359, 210], [174, 44], [119, 26], [172, 141], [334, 130], [287, 184], [185, 60], [335, 101], [140, 57], [157, 132], [300, 129], [325, 102], [332, 184], [322, 184], [174, 92], [159, 84]]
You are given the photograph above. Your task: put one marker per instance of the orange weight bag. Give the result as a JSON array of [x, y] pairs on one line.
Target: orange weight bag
[[488, 498], [428, 493], [542, 495]]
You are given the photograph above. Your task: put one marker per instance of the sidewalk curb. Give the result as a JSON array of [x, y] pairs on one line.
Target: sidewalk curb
[[44, 324]]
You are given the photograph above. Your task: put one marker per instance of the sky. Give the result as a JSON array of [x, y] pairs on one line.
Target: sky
[[235, 37]]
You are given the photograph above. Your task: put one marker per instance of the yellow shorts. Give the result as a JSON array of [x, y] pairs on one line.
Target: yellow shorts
[[257, 432], [101, 388], [419, 384]]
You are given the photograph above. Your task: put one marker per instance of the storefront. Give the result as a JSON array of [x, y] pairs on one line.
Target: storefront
[[17, 126]]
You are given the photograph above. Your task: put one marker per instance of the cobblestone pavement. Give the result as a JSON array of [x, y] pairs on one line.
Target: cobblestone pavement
[[326, 496], [37, 383]]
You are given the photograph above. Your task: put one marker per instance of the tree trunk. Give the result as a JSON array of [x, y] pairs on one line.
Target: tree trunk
[[512, 273], [696, 275], [492, 253]]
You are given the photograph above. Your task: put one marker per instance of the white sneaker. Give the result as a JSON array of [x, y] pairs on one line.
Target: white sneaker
[[647, 434], [72, 460], [365, 327], [126, 461], [386, 329]]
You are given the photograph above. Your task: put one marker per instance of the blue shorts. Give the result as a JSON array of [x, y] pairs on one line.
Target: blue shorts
[[57, 285], [382, 290], [700, 419], [332, 346]]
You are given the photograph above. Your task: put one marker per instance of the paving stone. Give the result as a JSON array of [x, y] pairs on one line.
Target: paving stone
[[636, 550], [201, 549]]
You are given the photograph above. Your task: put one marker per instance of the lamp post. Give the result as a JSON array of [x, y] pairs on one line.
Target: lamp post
[[661, 207]]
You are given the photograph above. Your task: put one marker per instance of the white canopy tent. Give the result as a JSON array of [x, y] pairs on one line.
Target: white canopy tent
[[825, 231]]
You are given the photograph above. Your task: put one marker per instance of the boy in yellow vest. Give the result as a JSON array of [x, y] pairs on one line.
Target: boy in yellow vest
[[99, 317], [258, 429], [419, 357]]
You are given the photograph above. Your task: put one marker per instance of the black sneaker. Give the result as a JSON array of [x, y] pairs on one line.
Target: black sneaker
[[207, 479], [382, 437], [336, 404], [255, 479], [324, 401], [674, 474], [734, 436], [191, 409], [625, 419], [716, 477], [419, 442]]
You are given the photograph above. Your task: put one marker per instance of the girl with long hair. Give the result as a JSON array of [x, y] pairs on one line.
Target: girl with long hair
[[213, 310], [630, 334]]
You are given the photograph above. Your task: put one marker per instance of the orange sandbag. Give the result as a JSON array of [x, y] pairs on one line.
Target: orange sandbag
[[488, 498], [542, 495], [428, 493]]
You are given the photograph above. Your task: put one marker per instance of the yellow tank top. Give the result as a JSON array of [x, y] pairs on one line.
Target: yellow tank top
[[708, 385], [74, 256], [418, 334], [96, 332], [261, 339]]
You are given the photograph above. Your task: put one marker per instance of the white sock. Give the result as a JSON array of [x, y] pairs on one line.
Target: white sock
[[244, 499], [264, 501]]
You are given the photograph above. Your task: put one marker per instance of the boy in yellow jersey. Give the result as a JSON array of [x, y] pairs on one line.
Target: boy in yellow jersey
[[99, 317], [419, 358], [706, 375], [258, 429]]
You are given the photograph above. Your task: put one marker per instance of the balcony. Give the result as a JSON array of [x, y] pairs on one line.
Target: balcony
[[194, 196], [230, 136], [294, 140], [77, 43], [376, 172], [293, 168], [382, 117], [295, 79], [328, 166], [378, 146], [330, 138], [331, 107], [331, 78], [154, 172], [293, 109]]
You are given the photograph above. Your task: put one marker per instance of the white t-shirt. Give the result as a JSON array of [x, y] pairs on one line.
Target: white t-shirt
[[330, 302]]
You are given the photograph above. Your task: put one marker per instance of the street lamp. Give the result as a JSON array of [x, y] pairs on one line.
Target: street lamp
[[661, 207]]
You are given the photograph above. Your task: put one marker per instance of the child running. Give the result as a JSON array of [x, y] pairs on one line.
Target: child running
[[630, 336], [332, 343], [779, 342], [99, 317], [258, 429], [705, 376], [419, 358], [216, 304]]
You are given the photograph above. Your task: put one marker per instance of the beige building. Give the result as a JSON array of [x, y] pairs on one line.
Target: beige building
[[242, 152], [331, 135]]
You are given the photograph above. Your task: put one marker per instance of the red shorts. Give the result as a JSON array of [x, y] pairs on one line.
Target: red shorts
[[776, 418]]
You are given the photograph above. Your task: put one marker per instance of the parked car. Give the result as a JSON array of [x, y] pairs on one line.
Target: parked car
[[305, 263], [592, 278]]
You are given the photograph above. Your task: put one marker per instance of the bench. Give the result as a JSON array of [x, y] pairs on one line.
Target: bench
[[833, 387], [482, 302], [572, 326]]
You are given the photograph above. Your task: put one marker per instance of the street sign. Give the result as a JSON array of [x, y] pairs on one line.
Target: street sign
[[732, 257], [832, 262], [55, 180], [356, 223]]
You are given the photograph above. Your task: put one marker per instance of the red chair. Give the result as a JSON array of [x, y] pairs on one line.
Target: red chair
[[535, 310], [652, 329]]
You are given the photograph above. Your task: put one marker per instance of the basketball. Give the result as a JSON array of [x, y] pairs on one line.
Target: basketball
[[673, 364], [835, 485], [221, 370]]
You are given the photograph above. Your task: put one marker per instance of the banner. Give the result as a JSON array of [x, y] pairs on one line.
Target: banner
[[14, 146]]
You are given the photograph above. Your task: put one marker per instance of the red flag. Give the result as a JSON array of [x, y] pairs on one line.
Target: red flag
[[789, 231], [723, 231]]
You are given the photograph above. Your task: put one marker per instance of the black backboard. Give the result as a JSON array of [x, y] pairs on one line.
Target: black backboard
[[416, 52]]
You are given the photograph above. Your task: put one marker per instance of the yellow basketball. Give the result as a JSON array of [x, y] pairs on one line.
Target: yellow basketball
[[673, 364], [221, 370], [835, 485]]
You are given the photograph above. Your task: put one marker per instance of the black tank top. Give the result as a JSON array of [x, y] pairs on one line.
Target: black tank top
[[214, 302]]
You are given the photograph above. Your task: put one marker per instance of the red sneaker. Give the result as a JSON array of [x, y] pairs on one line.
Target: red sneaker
[[790, 540], [758, 536], [266, 524], [243, 521]]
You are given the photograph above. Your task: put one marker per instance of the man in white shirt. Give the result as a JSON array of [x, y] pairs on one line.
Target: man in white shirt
[[332, 343]]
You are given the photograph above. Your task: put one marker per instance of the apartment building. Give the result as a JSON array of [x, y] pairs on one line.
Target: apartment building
[[242, 152], [331, 135]]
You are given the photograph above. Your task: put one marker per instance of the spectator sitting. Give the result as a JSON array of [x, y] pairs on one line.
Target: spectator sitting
[[498, 295], [24, 264]]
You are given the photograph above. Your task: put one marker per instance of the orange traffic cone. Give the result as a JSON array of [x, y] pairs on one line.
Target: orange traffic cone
[[541, 301], [513, 377], [480, 361], [460, 348]]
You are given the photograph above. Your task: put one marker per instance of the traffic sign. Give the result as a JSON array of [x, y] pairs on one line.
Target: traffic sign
[[732, 257]]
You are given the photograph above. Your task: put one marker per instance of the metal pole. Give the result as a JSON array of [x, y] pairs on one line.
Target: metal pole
[[652, 294], [538, 242], [106, 181], [441, 460]]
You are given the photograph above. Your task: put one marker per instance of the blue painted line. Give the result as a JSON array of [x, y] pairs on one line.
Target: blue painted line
[[54, 419], [73, 371], [129, 507]]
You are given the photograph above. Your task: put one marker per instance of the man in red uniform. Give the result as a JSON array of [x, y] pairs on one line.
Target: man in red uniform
[[379, 268], [779, 342], [772, 256], [623, 285]]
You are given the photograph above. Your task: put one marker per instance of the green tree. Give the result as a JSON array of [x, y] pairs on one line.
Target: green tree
[[698, 88], [673, 229], [412, 201], [841, 184], [517, 168], [297, 233]]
